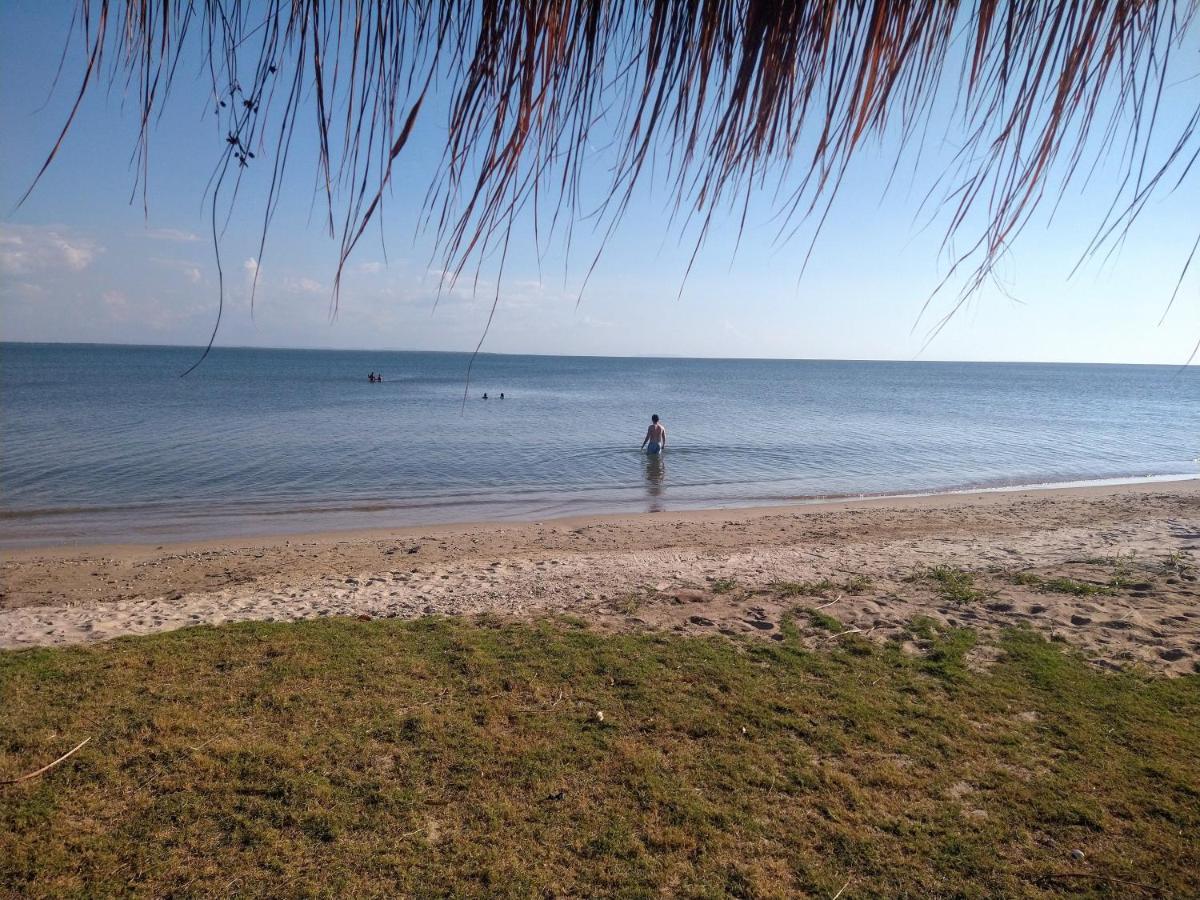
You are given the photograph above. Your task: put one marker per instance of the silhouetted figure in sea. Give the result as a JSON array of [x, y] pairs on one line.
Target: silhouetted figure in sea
[[485, 395]]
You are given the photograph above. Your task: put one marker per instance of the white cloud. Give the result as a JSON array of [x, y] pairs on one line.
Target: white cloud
[[169, 234], [732, 329], [250, 267], [593, 322], [116, 303], [28, 290], [27, 249], [302, 285], [184, 267]]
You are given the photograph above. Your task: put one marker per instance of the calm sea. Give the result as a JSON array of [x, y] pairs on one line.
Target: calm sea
[[107, 443]]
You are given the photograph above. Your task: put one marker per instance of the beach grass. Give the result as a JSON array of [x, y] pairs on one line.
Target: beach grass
[[443, 757], [855, 584], [803, 588], [858, 584], [824, 622], [955, 585]]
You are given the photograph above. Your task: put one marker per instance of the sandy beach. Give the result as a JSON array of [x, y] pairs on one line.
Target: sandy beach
[[1112, 570]]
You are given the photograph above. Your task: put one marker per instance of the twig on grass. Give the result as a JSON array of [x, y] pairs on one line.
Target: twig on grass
[[847, 631], [48, 766], [843, 888], [830, 603]]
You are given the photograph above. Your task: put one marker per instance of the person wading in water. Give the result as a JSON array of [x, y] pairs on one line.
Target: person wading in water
[[655, 440]]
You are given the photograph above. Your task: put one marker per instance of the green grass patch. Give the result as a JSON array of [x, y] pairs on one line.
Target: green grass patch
[[954, 584], [1124, 568], [440, 757], [1063, 585], [723, 585], [820, 620], [803, 588]]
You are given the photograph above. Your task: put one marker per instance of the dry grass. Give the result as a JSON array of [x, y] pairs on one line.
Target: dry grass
[[338, 758]]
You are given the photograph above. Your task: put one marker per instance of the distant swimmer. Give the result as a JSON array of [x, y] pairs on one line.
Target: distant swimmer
[[655, 440], [371, 378], [485, 395], [502, 395]]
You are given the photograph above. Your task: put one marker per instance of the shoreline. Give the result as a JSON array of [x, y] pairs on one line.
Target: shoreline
[[24, 549], [1111, 570]]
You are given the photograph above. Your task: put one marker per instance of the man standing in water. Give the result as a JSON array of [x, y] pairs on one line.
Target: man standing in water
[[655, 440]]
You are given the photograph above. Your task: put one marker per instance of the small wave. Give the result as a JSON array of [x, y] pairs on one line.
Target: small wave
[[17, 514]]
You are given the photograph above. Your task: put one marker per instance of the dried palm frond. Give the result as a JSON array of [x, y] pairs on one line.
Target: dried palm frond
[[725, 94]]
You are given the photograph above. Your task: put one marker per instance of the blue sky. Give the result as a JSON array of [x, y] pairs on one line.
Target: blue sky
[[80, 262]]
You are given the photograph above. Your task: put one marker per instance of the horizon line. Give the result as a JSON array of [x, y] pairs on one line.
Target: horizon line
[[682, 357]]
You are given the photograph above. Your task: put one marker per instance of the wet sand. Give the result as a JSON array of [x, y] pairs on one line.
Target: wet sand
[[711, 571]]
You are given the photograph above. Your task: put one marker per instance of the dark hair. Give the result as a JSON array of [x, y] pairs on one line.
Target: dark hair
[[654, 418]]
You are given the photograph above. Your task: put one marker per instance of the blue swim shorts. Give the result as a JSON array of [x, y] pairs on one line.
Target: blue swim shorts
[[653, 447]]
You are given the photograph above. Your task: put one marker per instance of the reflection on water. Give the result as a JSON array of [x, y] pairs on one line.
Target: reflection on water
[[656, 473]]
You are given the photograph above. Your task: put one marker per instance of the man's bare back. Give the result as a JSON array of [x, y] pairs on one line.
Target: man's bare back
[[655, 440]]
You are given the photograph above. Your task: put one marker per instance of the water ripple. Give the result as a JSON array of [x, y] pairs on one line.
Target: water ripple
[[109, 439]]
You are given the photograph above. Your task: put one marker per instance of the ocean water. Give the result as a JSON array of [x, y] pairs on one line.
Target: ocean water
[[107, 443]]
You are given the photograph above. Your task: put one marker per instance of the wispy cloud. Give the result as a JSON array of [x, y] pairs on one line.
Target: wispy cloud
[[169, 234], [302, 285], [27, 290], [117, 304], [30, 249], [184, 267], [732, 329]]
